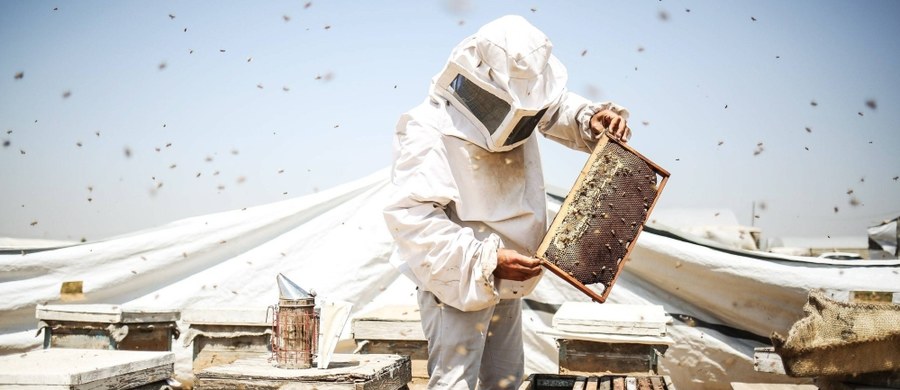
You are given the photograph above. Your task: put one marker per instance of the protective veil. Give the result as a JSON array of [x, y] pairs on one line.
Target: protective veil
[[462, 191], [457, 202], [504, 84]]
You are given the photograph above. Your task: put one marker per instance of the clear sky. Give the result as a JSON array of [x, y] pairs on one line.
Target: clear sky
[[117, 116]]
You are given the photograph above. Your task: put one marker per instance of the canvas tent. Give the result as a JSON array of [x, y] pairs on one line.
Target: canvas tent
[[335, 241], [884, 239]]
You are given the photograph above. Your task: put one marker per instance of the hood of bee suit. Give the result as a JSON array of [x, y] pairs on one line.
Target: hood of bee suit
[[515, 57]]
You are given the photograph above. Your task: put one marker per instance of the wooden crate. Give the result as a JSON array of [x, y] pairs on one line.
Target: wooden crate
[[583, 357], [606, 382], [393, 329], [222, 336], [345, 371], [101, 326], [83, 369]]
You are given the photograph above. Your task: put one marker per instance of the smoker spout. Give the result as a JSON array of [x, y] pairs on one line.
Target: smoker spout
[[290, 290]]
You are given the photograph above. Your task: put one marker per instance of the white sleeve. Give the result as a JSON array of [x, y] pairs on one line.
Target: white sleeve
[[571, 124], [446, 258]]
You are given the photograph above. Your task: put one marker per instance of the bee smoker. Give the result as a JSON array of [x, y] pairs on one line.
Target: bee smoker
[[295, 326]]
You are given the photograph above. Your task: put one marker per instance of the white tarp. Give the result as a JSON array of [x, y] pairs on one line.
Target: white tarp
[[884, 239], [336, 242]]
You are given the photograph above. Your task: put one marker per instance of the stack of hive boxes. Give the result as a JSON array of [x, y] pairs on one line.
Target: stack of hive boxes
[[610, 338]]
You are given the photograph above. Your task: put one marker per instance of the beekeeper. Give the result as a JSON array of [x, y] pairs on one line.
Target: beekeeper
[[469, 207]]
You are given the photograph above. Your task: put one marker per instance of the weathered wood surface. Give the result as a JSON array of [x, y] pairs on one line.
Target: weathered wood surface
[[578, 357], [766, 360], [608, 338], [606, 382], [216, 351], [104, 313], [144, 336], [771, 386], [84, 369], [391, 322], [138, 380], [359, 372], [247, 316], [587, 317], [416, 350]]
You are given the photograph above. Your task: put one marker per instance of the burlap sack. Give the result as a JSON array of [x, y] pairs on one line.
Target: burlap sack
[[838, 338]]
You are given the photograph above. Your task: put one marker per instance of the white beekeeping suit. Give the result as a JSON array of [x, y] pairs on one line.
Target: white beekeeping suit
[[468, 181]]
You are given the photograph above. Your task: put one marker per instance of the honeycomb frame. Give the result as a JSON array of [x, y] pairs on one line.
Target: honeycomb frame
[[597, 225]]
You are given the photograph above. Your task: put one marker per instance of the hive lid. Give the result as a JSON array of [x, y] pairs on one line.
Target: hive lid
[[248, 316], [105, 313], [624, 319], [67, 367]]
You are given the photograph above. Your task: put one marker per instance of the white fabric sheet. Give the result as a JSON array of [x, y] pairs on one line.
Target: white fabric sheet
[[336, 242]]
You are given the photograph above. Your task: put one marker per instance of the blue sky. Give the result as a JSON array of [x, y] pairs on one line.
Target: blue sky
[[272, 100]]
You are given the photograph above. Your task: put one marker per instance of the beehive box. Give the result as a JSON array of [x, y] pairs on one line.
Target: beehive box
[[221, 336], [582, 357], [104, 326], [393, 329], [83, 369]]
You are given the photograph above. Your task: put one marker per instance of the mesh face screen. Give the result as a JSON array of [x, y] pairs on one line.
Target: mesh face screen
[[602, 215], [524, 128], [489, 109]]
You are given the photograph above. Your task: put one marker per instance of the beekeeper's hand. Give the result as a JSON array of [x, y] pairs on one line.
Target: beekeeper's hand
[[613, 124], [514, 266]]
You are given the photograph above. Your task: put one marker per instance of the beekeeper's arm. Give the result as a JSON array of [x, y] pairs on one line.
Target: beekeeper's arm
[[579, 122], [445, 257]]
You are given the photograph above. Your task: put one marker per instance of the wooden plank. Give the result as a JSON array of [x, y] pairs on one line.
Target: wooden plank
[[766, 360], [103, 313], [580, 384], [416, 350], [234, 316], [397, 313], [130, 380], [605, 383], [591, 383], [389, 322], [82, 313], [668, 382], [643, 383], [771, 386], [630, 383], [357, 372], [387, 330], [585, 317], [608, 338], [657, 383], [76, 367]]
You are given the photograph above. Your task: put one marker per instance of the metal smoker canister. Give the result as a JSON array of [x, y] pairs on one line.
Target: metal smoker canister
[[296, 326]]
